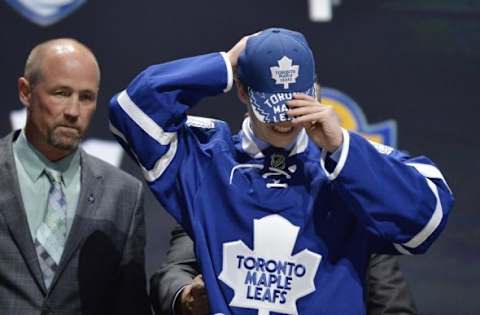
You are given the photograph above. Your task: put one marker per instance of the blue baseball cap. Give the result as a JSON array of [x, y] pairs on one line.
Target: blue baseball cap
[[276, 63]]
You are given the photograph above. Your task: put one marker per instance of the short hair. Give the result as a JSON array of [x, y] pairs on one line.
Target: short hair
[[33, 66]]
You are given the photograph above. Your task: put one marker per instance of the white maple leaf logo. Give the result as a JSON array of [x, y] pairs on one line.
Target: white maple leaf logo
[[269, 278], [285, 73]]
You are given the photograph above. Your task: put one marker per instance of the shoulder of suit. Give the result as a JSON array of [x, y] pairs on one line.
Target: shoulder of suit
[[8, 138], [6, 144], [108, 171]]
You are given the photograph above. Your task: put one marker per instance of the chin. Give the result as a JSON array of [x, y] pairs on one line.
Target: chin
[[66, 145], [283, 140], [64, 142], [283, 143], [64, 139]]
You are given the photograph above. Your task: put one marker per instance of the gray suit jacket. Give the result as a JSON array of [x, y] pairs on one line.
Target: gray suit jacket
[[102, 267], [386, 289]]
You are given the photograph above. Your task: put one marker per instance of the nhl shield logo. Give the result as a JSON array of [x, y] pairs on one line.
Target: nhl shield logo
[[277, 161], [45, 12]]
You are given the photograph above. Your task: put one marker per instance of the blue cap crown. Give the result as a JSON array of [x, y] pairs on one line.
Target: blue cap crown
[[274, 64]]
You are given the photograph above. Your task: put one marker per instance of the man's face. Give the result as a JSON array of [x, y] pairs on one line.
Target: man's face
[[279, 135], [63, 100]]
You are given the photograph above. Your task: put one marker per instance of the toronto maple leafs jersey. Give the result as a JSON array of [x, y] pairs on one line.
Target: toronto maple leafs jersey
[[276, 232]]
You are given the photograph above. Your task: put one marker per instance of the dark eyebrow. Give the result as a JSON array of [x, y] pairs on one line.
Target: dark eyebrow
[[61, 87], [89, 91]]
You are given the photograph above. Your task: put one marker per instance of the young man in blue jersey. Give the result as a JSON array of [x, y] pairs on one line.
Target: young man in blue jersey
[[286, 213]]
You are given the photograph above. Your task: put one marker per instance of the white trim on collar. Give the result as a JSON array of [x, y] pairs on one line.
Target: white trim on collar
[[248, 144], [300, 144]]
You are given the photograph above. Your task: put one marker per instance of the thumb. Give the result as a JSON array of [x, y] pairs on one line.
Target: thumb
[[198, 286]]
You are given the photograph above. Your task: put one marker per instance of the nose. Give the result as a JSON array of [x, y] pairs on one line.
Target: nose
[[72, 110]]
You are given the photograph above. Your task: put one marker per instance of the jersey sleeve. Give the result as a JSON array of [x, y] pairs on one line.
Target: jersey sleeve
[[401, 200], [149, 120]]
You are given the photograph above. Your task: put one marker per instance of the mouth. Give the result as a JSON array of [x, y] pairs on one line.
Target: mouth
[[69, 129], [282, 129]]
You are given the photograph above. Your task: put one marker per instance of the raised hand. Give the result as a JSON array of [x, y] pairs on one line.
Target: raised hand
[[320, 121], [237, 49]]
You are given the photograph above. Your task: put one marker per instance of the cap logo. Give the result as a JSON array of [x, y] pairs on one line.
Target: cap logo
[[285, 73]]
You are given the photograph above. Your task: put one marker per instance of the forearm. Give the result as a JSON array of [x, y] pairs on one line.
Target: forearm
[[404, 201], [161, 94], [149, 120]]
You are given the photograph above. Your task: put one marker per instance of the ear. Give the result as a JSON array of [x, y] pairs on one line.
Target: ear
[[24, 91], [242, 93]]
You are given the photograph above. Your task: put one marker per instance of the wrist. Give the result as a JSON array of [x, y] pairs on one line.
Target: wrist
[[336, 144], [180, 302]]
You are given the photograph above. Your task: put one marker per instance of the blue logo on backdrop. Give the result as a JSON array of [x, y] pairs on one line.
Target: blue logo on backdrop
[[45, 12]]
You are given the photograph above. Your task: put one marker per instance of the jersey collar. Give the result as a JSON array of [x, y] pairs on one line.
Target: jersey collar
[[253, 146]]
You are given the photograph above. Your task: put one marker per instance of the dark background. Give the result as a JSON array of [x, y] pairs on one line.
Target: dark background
[[417, 62]]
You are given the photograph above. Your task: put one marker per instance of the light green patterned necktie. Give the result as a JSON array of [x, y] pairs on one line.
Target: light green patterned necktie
[[52, 232]]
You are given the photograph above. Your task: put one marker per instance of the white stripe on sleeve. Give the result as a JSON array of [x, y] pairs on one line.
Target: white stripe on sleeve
[[432, 224], [143, 121], [229, 72], [401, 249], [153, 130], [429, 171]]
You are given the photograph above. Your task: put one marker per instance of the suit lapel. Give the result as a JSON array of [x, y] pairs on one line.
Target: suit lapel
[[13, 209], [90, 193]]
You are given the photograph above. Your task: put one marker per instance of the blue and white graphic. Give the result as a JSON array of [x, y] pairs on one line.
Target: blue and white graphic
[[352, 118], [286, 72], [271, 107], [268, 278], [45, 12]]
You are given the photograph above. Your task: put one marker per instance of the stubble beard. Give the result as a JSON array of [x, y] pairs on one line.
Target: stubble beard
[[63, 139]]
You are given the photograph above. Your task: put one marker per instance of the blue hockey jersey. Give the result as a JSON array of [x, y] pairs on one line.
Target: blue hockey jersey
[[275, 232]]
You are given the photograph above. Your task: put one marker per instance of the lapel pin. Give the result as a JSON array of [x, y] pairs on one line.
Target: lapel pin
[[91, 198]]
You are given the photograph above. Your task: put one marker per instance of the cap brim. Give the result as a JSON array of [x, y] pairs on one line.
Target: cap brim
[[271, 108]]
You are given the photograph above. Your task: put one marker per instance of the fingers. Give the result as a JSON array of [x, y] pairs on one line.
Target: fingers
[[306, 109], [237, 49], [303, 96], [198, 287], [193, 299], [199, 279], [300, 99], [312, 118], [199, 304]]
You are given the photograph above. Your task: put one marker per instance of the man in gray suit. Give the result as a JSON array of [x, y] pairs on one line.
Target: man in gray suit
[[178, 288], [71, 226]]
